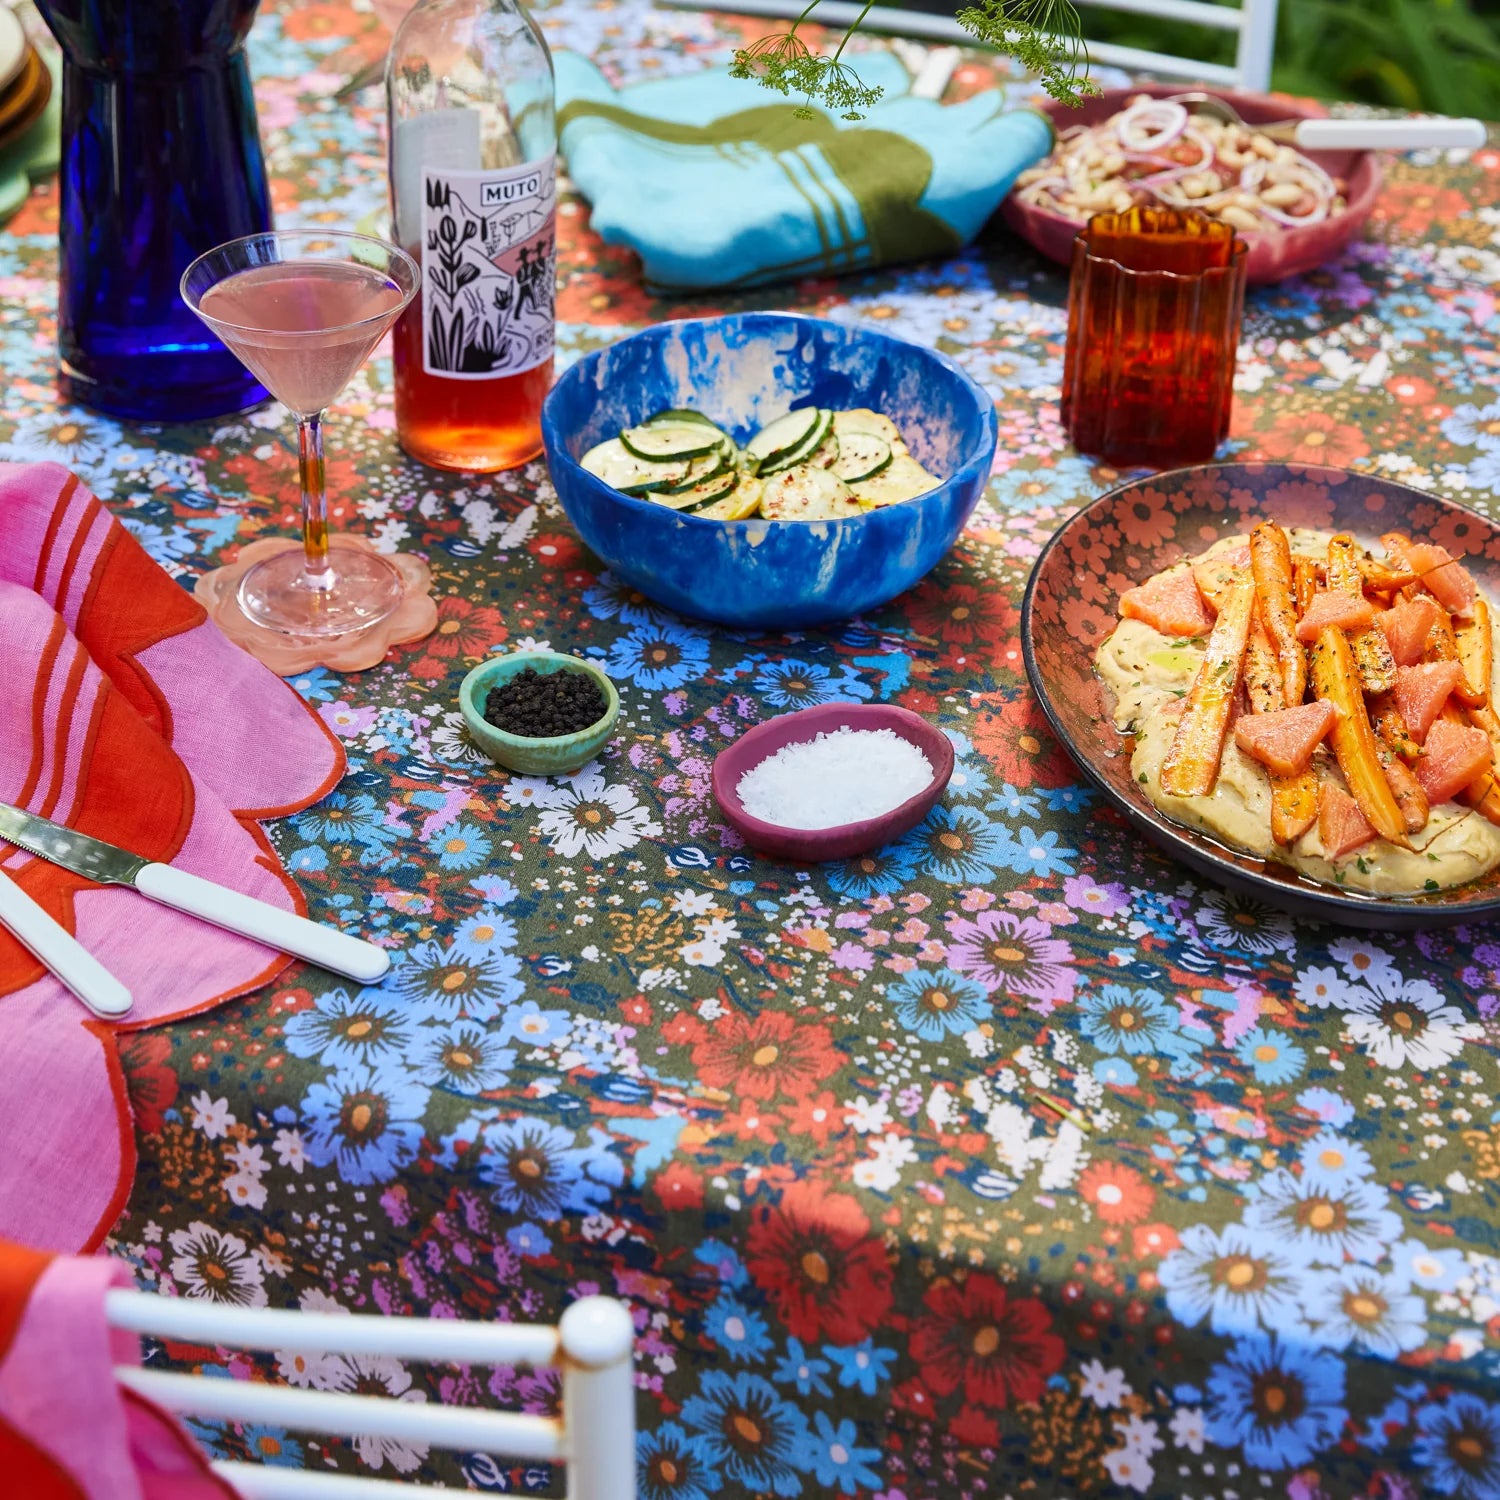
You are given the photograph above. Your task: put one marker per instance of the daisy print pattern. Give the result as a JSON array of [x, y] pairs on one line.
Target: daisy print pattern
[[1009, 1158], [595, 819], [214, 1266], [1236, 1279], [1404, 1023]]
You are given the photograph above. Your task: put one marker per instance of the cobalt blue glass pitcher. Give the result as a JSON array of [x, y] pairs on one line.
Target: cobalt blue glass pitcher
[[161, 160]]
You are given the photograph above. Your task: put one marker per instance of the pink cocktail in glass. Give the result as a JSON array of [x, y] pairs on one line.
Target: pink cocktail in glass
[[303, 310]]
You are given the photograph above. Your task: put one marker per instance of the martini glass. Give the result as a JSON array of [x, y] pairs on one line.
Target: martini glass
[[302, 309]]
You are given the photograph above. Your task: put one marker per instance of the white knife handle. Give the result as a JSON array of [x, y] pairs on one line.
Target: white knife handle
[[324, 946], [62, 953], [1389, 135]]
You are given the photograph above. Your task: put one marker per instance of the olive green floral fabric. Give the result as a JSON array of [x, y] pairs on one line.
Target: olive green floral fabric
[[1011, 1160]]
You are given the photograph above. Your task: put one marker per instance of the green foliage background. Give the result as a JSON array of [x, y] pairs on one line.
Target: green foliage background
[[1441, 55]]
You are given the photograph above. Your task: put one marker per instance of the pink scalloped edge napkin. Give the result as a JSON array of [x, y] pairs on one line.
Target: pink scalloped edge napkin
[[125, 714], [68, 1430]]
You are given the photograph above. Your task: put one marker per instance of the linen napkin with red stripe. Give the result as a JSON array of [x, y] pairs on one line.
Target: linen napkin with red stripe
[[126, 714], [68, 1431]]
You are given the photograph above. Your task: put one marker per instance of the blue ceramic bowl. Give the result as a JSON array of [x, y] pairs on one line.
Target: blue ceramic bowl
[[743, 370]]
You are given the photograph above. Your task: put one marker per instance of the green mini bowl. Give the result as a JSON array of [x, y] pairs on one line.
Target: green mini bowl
[[519, 752]]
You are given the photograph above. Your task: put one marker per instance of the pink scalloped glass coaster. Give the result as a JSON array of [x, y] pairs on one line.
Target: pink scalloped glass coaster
[[286, 655]]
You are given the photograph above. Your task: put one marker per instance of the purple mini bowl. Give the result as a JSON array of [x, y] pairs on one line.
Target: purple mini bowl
[[815, 845]]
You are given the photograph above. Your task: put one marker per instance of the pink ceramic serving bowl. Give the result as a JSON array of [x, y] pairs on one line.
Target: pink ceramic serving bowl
[[815, 845], [1272, 256]]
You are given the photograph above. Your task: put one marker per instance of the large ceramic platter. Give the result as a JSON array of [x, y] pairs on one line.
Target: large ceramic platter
[[1148, 524]]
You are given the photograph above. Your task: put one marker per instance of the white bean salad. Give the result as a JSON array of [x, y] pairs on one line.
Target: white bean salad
[[1158, 151]]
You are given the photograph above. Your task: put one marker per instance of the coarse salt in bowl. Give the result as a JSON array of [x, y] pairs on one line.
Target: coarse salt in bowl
[[751, 753], [848, 776]]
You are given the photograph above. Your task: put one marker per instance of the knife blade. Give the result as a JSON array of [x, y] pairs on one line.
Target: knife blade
[[95, 859]]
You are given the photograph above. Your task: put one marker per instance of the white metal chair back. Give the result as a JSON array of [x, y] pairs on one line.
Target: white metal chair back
[[592, 1345], [1252, 21]]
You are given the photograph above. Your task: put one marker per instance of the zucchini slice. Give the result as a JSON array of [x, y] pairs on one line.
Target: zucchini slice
[[671, 440], [717, 487], [826, 454], [861, 455], [699, 470], [901, 479], [807, 494], [617, 466], [806, 451], [677, 415], [784, 435], [742, 503], [862, 419]]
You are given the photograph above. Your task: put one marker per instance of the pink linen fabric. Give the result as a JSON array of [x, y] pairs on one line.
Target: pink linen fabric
[[125, 714], [65, 1423]]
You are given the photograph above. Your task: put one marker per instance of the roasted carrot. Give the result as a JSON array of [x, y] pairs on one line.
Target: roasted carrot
[[1484, 797], [1262, 672], [1343, 564], [1383, 577], [1405, 788], [1476, 649], [1442, 645], [1294, 806], [1336, 678], [1372, 652], [1192, 763], [1386, 720], [1294, 799], [1482, 718], [1304, 581], [1271, 566]]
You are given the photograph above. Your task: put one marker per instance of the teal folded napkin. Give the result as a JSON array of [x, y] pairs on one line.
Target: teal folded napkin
[[716, 183]]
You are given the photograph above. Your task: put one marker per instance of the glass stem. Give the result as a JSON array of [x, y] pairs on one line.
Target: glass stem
[[314, 501]]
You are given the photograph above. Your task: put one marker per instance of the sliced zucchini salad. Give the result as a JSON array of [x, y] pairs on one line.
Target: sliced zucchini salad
[[810, 465]]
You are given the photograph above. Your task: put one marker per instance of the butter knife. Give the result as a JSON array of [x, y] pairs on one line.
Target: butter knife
[[96, 860], [70, 962]]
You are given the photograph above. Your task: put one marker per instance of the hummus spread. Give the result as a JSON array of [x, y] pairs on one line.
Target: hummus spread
[[1148, 673]]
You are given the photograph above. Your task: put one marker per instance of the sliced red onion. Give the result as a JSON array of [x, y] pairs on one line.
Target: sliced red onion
[[1141, 134], [1207, 156], [1160, 118]]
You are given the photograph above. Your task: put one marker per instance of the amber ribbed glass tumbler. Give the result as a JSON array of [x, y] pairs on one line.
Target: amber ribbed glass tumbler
[[1154, 310]]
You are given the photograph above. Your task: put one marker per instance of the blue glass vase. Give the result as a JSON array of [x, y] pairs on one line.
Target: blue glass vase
[[161, 161]]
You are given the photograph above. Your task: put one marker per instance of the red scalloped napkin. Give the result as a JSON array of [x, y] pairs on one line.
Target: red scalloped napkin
[[125, 714], [68, 1430]]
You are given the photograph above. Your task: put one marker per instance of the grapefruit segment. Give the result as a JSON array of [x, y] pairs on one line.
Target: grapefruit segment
[[1421, 692], [1338, 609], [1454, 756], [1216, 577], [1170, 603], [1342, 827], [1284, 741], [1448, 581], [1406, 628]]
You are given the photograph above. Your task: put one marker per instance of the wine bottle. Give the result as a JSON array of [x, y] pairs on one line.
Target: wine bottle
[[473, 143]]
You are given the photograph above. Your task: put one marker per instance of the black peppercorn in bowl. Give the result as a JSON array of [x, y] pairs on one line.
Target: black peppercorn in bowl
[[535, 754]]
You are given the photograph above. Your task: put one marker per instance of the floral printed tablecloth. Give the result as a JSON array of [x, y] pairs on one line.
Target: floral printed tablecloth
[[1009, 1161]]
